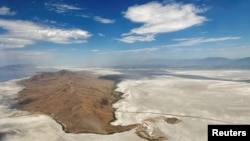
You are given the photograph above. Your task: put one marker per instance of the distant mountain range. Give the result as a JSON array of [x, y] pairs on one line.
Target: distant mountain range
[[205, 63]]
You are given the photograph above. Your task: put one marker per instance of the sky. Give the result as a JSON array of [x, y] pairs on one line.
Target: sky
[[110, 32]]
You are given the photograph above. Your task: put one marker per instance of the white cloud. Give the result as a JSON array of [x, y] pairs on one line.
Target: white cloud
[[12, 42], [21, 33], [50, 21], [6, 11], [84, 16], [103, 20], [27, 54], [196, 41], [34, 54], [95, 50], [134, 38], [100, 34], [61, 7], [144, 50], [162, 18]]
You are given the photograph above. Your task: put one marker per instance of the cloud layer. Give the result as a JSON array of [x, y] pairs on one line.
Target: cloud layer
[[21, 33], [160, 18], [197, 41]]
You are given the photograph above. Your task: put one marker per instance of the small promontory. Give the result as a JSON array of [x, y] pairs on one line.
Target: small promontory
[[80, 101]]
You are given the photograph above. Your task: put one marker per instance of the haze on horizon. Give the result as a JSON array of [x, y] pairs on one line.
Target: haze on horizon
[[83, 32]]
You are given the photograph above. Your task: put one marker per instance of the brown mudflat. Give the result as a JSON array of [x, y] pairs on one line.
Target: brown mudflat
[[80, 101]]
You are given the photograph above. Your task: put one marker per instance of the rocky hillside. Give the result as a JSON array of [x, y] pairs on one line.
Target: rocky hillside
[[80, 101]]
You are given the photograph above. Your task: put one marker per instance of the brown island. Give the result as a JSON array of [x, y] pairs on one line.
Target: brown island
[[80, 101]]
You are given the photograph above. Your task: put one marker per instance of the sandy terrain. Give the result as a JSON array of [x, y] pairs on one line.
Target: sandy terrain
[[80, 101], [196, 101]]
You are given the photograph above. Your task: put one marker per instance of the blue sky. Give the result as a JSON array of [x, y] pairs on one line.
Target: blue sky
[[83, 32]]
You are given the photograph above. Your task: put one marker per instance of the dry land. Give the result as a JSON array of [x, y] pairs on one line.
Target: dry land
[[80, 101]]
